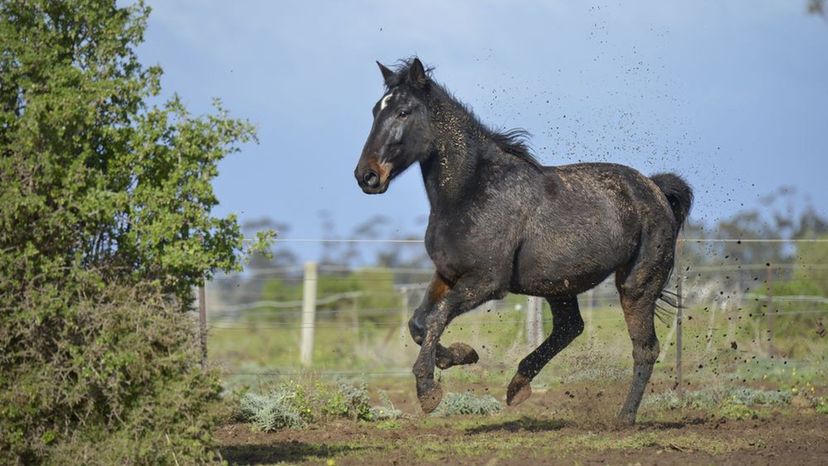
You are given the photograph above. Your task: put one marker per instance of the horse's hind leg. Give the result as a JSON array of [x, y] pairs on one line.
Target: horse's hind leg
[[567, 325], [639, 290], [456, 354]]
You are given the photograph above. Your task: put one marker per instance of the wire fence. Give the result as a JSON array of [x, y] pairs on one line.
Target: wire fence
[[258, 323]]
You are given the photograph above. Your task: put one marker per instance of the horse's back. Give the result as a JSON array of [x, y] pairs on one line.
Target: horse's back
[[587, 224]]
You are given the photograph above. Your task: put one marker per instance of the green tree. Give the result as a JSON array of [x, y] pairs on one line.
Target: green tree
[[92, 178], [100, 190]]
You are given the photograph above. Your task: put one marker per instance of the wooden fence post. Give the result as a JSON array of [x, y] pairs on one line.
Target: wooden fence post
[[355, 320], [769, 312], [308, 314], [539, 337], [202, 324], [711, 324], [530, 321], [403, 311], [679, 313], [590, 315], [534, 321]]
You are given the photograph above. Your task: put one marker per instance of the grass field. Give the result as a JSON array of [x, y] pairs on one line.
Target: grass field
[[741, 400]]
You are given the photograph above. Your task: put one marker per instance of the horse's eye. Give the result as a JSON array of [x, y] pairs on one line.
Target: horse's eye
[[404, 113]]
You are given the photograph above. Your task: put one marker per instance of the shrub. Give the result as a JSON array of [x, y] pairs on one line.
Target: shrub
[[122, 384], [106, 205]]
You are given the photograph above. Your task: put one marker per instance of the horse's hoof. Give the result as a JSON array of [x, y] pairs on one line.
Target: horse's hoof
[[430, 394], [457, 354], [519, 390]]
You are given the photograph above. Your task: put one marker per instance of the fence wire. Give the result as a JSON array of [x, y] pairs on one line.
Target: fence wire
[[752, 311]]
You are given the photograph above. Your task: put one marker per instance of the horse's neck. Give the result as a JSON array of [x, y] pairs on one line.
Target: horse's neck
[[449, 171]]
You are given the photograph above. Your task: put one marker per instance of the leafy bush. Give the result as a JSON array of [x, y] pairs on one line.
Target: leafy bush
[[106, 205], [467, 403], [122, 384]]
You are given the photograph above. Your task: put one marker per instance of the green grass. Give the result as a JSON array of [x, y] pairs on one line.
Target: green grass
[[257, 354]]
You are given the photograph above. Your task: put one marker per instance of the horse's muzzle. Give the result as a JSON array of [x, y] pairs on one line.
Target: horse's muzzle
[[370, 181]]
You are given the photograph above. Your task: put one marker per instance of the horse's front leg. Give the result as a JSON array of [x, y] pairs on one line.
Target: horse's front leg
[[428, 391], [455, 355], [451, 302]]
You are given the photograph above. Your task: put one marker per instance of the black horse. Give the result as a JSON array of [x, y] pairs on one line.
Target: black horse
[[501, 222]]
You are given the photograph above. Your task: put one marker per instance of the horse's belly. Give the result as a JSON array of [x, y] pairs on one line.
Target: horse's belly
[[566, 270]]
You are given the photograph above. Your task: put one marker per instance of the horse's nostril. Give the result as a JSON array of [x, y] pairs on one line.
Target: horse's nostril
[[371, 179]]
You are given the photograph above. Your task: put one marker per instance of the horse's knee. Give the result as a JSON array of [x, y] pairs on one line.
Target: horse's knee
[[417, 328]]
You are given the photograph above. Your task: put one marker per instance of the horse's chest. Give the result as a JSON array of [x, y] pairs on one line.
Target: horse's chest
[[457, 246]]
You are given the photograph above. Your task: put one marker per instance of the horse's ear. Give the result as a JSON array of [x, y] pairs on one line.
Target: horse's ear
[[387, 75], [417, 74]]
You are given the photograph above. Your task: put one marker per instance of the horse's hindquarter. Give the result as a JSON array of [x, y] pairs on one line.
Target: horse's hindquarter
[[588, 226]]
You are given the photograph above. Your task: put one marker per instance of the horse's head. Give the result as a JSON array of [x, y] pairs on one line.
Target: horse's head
[[401, 133]]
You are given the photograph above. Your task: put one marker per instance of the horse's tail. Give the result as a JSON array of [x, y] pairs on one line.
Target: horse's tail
[[680, 196], [677, 192]]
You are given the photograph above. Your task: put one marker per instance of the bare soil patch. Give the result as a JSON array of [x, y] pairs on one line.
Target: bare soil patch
[[562, 426]]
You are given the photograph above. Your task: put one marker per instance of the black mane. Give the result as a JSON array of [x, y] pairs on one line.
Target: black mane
[[512, 141]]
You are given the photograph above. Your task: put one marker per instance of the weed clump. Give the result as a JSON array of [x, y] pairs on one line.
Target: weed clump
[[731, 403], [822, 406], [292, 406], [737, 411], [273, 411], [349, 401], [752, 396], [467, 403], [387, 411]]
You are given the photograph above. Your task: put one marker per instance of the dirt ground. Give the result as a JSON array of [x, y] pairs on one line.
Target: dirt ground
[[565, 426]]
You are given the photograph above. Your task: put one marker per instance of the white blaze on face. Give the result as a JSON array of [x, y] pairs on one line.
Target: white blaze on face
[[384, 101]]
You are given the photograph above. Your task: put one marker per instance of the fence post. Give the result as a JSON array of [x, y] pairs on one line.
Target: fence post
[[679, 313], [590, 315], [202, 324], [711, 325], [770, 310], [534, 324], [308, 314], [733, 311], [539, 337], [403, 311], [355, 320], [530, 321]]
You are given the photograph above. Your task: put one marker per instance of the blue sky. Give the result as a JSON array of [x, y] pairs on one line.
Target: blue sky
[[733, 95]]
